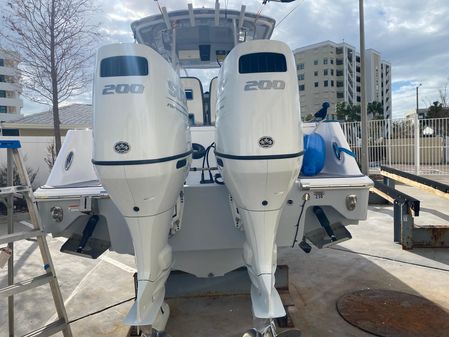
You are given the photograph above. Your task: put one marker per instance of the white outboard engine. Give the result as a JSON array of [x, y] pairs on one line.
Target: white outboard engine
[[259, 149], [142, 154]]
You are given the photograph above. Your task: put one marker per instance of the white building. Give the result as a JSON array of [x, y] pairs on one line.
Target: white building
[[10, 102], [378, 80], [329, 71]]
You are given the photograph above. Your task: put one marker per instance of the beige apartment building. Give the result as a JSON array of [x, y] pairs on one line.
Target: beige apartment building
[[329, 71], [10, 101]]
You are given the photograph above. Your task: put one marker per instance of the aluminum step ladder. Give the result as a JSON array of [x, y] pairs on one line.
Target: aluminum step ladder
[[49, 277]]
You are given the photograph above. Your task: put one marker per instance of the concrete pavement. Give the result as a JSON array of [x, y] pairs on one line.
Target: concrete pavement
[[317, 280]]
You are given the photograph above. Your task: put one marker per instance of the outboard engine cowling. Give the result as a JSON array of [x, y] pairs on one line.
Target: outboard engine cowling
[[142, 153], [259, 149]]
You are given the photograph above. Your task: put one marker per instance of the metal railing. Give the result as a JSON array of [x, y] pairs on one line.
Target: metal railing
[[419, 146]]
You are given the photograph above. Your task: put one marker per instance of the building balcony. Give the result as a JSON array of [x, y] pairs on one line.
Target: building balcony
[[15, 102], [10, 86], [7, 71], [350, 68]]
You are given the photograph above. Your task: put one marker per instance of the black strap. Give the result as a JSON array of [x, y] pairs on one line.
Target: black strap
[[260, 157], [139, 162]]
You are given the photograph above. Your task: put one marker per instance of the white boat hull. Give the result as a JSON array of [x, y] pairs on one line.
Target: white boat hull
[[206, 210]]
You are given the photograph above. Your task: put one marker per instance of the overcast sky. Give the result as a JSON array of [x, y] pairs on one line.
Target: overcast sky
[[412, 34]]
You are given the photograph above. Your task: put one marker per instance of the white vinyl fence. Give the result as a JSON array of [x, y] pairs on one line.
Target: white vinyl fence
[[393, 143], [34, 150], [419, 146]]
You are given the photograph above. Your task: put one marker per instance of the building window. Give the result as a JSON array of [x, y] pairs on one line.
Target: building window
[[339, 51], [300, 66], [3, 109], [2, 78], [326, 83], [326, 72], [358, 89], [332, 83], [357, 78], [2, 62], [10, 132], [357, 58], [332, 61], [316, 84], [189, 94], [339, 62], [301, 87], [358, 98], [339, 84], [301, 77], [2, 93], [357, 69], [325, 61], [315, 62], [332, 72], [340, 95], [315, 73]]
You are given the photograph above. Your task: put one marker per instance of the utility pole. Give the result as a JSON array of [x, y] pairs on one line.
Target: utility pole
[[417, 101], [417, 134], [363, 112]]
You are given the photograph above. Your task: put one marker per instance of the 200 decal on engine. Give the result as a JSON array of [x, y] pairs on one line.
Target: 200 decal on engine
[[110, 89], [264, 85]]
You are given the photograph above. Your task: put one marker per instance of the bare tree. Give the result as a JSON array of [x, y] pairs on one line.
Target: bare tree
[[50, 158], [55, 40]]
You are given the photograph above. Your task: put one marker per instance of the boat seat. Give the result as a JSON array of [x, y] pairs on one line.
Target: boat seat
[[194, 95]]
